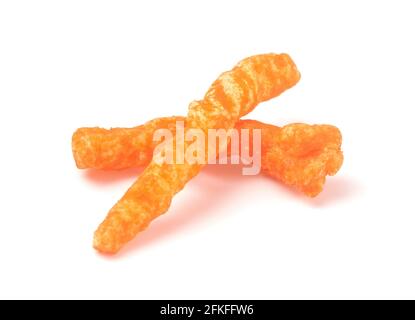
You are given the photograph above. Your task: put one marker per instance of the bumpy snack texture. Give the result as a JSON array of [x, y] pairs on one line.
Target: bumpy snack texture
[[298, 155], [118, 148], [234, 94]]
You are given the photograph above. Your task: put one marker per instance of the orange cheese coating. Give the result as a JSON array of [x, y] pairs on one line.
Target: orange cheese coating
[[234, 94], [298, 155]]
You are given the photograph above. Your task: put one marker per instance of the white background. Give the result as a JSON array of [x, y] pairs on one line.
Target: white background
[[67, 64]]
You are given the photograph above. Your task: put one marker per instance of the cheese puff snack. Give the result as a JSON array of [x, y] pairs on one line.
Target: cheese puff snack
[[234, 94], [298, 155]]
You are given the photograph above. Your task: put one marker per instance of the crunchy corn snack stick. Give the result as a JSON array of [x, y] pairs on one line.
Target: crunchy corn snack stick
[[299, 155], [118, 148], [232, 95]]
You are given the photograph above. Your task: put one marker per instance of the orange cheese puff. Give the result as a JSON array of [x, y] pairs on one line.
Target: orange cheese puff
[[232, 95], [118, 148], [298, 155]]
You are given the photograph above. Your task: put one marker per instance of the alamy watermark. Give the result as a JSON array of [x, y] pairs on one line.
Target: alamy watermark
[[219, 146]]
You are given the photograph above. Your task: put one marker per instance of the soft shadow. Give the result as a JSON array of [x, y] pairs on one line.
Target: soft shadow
[[213, 187], [101, 177], [337, 189]]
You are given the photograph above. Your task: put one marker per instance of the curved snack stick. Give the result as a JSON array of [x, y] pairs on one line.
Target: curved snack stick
[[232, 95], [298, 155]]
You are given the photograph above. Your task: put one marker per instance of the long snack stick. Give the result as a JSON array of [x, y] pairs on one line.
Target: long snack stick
[[298, 155], [234, 94]]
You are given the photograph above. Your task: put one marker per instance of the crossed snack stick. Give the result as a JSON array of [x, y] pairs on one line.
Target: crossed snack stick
[[299, 155]]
